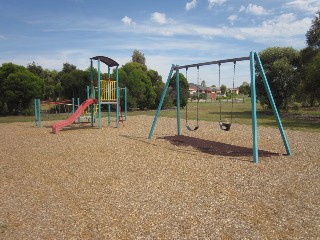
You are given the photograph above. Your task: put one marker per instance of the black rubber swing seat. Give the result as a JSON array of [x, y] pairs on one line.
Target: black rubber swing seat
[[225, 126], [192, 129]]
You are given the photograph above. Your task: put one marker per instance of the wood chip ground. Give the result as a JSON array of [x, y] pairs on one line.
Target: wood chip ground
[[111, 183]]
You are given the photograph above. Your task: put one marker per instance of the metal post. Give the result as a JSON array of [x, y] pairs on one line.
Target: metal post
[[161, 102], [39, 113], [125, 103], [254, 110], [92, 90], [273, 105], [77, 108], [99, 98], [88, 92], [117, 98], [178, 101], [72, 105], [109, 106]]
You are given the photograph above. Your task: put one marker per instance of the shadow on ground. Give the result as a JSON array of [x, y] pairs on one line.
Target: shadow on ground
[[215, 148]]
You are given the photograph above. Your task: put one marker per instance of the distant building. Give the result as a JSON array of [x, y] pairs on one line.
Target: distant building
[[211, 93]]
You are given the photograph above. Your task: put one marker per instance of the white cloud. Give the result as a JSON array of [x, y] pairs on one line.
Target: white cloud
[[254, 9], [159, 18], [305, 5], [212, 3], [232, 18], [128, 21], [190, 5], [284, 29]]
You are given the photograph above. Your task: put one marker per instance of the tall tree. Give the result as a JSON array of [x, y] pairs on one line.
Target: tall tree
[[244, 88], [281, 67], [313, 34], [184, 90], [138, 57], [223, 89], [19, 90]]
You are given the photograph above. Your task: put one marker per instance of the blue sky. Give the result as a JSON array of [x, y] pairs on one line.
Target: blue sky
[[51, 33]]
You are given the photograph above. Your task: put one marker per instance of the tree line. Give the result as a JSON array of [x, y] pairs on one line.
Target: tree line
[[294, 79]]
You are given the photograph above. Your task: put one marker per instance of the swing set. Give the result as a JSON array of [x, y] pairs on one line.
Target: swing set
[[254, 60]]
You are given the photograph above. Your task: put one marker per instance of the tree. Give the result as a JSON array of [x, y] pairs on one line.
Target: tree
[[281, 68], [138, 57], [16, 88], [223, 89], [74, 84], [19, 90], [141, 92], [245, 88], [312, 81], [308, 91], [184, 90], [157, 84], [313, 34]]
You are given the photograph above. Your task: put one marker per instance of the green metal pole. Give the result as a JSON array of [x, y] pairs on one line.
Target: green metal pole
[[125, 103], [109, 106], [254, 110], [88, 92], [99, 100], [39, 112], [92, 91], [72, 105], [178, 101], [77, 108], [273, 105], [161, 102], [117, 97]]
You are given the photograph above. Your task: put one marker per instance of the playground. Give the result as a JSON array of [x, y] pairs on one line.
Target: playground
[[154, 177], [115, 183]]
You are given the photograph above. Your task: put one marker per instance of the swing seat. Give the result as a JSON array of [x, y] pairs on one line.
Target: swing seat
[[225, 126], [192, 129]]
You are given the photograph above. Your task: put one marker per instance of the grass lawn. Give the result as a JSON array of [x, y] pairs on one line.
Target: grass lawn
[[302, 119]]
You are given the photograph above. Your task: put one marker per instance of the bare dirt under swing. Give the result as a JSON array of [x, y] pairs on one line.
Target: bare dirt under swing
[[115, 184]]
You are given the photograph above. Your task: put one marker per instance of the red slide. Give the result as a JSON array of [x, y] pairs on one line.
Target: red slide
[[57, 126]]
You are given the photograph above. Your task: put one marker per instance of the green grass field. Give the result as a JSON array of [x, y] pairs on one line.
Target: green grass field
[[302, 119]]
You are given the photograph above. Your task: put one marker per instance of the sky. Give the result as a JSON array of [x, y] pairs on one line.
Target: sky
[[167, 32]]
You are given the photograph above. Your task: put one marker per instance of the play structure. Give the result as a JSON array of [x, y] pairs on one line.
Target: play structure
[[254, 59], [104, 92]]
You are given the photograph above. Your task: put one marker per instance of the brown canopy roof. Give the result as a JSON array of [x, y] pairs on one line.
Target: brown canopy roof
[[110, 62]]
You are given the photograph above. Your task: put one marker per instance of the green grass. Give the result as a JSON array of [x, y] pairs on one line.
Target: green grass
[[241, 114], [303, 119]]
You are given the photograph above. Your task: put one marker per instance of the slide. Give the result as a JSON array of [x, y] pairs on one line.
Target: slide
[[57, 126]]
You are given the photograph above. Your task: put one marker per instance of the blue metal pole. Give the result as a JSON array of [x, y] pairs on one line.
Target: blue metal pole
[[125, 104], [161, 102], [92, 90], [254, 110], [99, 97], [178, 101], [39, 112], [72, 105], [117, 97], [77, 108], [273, 105], [109, 106], [88, 92]]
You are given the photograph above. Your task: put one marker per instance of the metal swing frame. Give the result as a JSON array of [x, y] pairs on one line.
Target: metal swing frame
[[254, 60]]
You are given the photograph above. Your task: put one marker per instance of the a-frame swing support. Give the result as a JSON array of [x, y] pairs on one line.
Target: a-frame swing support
[[254, 59]]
